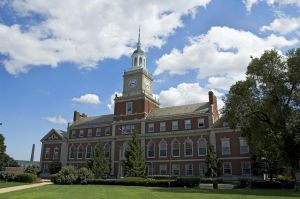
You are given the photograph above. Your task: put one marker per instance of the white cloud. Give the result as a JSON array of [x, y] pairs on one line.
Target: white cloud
[[56, 120], [87, 99], [111, 105], [222, 52], [283, 2], [249, 4], [283, 25], [85, 32]]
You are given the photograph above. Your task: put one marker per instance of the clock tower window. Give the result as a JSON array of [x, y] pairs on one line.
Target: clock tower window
[[128, 108]]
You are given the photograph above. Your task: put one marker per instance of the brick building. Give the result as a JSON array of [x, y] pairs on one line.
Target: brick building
[[174, 139]]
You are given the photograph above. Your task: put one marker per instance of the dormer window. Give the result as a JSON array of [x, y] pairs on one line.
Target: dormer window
[[128, 107]]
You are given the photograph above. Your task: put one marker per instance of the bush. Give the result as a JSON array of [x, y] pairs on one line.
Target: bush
[[26, 177], [85, 175], [186, 181], [161, 177], [273, 185], [67, 175], [7, 176], [242, 183], [55, 167], [32, 169]]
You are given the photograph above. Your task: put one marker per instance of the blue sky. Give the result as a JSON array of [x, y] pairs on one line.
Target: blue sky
[[60, 56]]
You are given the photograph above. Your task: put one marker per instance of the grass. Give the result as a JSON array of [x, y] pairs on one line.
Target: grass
[[131, 192], [4, 184]]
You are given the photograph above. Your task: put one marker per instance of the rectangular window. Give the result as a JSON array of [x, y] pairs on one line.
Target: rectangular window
[[225, 146], [163, 169], [128, 107], [174, 125], [246, 168], [187, 124], [46, 168], [151, 127], [149, 169], [90, 132], [127, 129], [202, 169], [81, 133], [162, 126], [200, 123], [47, 153], [55, 154], [107, 131], [175, 169], [73, 135], [188, 169], [227, 168], [98, 132], [244, 147]]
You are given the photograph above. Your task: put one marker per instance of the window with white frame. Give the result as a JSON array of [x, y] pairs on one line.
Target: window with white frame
[[128, 107], [227, 168], [98, 132], [246, 168], [202, 146], [189, 169], [128, 128], [71, 152], [175, 148], [123, 151], [88, 154], [73, 134], [162, 149], [174, 125], [162, 126], [201, 123], [150, 150], [107, 150], [47, 153], [188, 148], [90, 133], [163, 169], [79, 152], [187, 124], [81, 133], [244, 147], [107, 130], [225, 142], [202, 169], [151, 127], [149, 169], [55, 154], [175, 169]]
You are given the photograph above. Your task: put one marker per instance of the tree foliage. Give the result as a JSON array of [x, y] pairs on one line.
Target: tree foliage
[[98, 164], [55, 167], [212, 162], [2, 150], [134, 165], [266, 106]]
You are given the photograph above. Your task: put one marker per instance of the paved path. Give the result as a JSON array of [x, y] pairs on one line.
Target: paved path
[[20, 187]]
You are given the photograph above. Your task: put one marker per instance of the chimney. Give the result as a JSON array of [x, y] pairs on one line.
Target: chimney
[[32, 153], [214, 106], [211, 97], [76, 116]]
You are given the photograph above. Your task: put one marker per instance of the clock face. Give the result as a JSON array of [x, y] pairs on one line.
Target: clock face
[[147, 84], [132, 83]]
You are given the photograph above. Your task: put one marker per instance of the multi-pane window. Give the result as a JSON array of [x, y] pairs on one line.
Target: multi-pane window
[[107, 130], [202, 169], [175, 169], [188, 148], [244, 147], [225, 142], [163, 169], [128, 128], [188, 169], [162, 126], [128, 107], [90, 133], [98, 132], [175, 148], [81, 133], [227, 168], [246, 168], [71, 152], [47, 153], [151, 127], [73, 134], [149, 169], [80, 152], [150, 150], [202, 146], [55, 154], [163, 149], [174, 125], [107, 150], [200, 123], [88, 151], [187, 124], [123, 151]]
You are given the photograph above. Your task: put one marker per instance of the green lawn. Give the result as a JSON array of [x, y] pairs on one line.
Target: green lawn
[[10, 184], [115, 192]]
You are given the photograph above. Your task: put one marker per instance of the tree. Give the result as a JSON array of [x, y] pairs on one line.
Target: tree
[[55, 167], [2, 151], [135, 164], [212, 163], [99, 164], [266, 107]]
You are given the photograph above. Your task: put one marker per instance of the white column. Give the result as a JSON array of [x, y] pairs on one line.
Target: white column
[[113, 143]]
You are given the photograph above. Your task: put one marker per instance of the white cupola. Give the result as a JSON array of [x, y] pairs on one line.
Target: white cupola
[[138, 57]]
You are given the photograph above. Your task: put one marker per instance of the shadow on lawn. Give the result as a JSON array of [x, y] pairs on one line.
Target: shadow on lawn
[[249, 192]]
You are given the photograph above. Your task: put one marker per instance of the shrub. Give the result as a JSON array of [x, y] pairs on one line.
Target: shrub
[[85, 175], [32, 169], [161, 177], [7, 176], [242, 183], [67, 175], [273, 185], [133, 181], [55, 167], [186, 181], [26, 177]]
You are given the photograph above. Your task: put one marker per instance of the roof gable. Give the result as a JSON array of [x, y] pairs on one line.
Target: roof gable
[[54, 134]]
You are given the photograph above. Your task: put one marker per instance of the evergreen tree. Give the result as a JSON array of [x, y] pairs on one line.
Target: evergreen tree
[[212, 162], [2, 151], [135, 164], [99, 164]]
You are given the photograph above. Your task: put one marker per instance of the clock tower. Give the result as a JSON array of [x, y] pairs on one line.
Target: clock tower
[[137, 99]]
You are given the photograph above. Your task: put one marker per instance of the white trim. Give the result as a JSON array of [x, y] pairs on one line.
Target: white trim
[[172, 143], [78, 152], [86, 151], [227, 168], [198, 146], [188, 140], [163, 141], [225, 140]]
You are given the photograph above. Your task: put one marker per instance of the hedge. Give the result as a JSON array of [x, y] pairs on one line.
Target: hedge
[[18, 177]]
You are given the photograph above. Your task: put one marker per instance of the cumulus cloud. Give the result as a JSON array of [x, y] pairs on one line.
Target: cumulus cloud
[[283, 25], [56, 120], [86, 32], [87, 99], [222, 52], [249, 4], [111, 105]]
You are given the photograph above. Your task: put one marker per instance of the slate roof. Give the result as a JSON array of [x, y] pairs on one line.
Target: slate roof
[[94, 120], [179, 110], [61, 133]]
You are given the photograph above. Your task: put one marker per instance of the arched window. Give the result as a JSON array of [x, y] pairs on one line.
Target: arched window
[[107, 150], [150, 150], [55, 154], [123, 150], [135, 61], [71, 152], [79, 152], [175, 148], [141, 61], [188, 147], [88, 154], [163, 149], [202, 146]]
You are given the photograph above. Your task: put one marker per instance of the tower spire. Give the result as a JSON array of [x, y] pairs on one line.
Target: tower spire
[[139, 39]]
